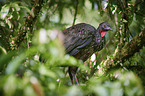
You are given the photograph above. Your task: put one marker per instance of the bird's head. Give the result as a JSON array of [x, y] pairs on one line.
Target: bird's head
[[104, 27]]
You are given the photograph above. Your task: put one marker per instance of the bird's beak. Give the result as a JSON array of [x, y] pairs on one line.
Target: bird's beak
[[109, 28]]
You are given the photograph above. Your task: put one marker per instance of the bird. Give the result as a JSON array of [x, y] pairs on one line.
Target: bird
[[81, 41]]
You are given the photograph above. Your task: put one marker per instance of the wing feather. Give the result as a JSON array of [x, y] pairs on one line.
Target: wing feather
[[77, 37]]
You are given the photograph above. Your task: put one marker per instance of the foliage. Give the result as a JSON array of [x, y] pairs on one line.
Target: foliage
[[32, 52]]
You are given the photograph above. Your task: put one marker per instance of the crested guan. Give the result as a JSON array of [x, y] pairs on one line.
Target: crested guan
[[82, 40]]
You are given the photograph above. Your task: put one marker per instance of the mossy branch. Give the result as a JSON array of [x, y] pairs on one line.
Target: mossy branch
[[126, 52], [29, 23]]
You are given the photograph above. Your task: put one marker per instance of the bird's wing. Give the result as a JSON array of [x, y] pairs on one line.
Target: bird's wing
[[77, 37]]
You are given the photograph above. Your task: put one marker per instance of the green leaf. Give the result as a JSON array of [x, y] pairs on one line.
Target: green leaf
[[5, 59], [10, 86], [14, 64], [3, 50], [4, 11], [29, 11]]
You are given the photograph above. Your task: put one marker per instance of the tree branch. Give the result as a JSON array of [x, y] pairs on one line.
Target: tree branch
[[126, 52]]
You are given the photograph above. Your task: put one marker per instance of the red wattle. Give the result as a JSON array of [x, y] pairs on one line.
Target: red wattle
[[103, 33]]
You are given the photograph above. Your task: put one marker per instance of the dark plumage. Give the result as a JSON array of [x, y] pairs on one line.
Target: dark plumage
[[82, 40]]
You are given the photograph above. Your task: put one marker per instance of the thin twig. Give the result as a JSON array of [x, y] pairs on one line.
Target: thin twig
[[76, 9]]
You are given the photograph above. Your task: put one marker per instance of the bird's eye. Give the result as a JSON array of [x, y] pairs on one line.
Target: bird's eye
[[104, 25]]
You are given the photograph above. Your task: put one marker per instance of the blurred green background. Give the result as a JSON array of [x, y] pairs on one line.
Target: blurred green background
[[32, 52]]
